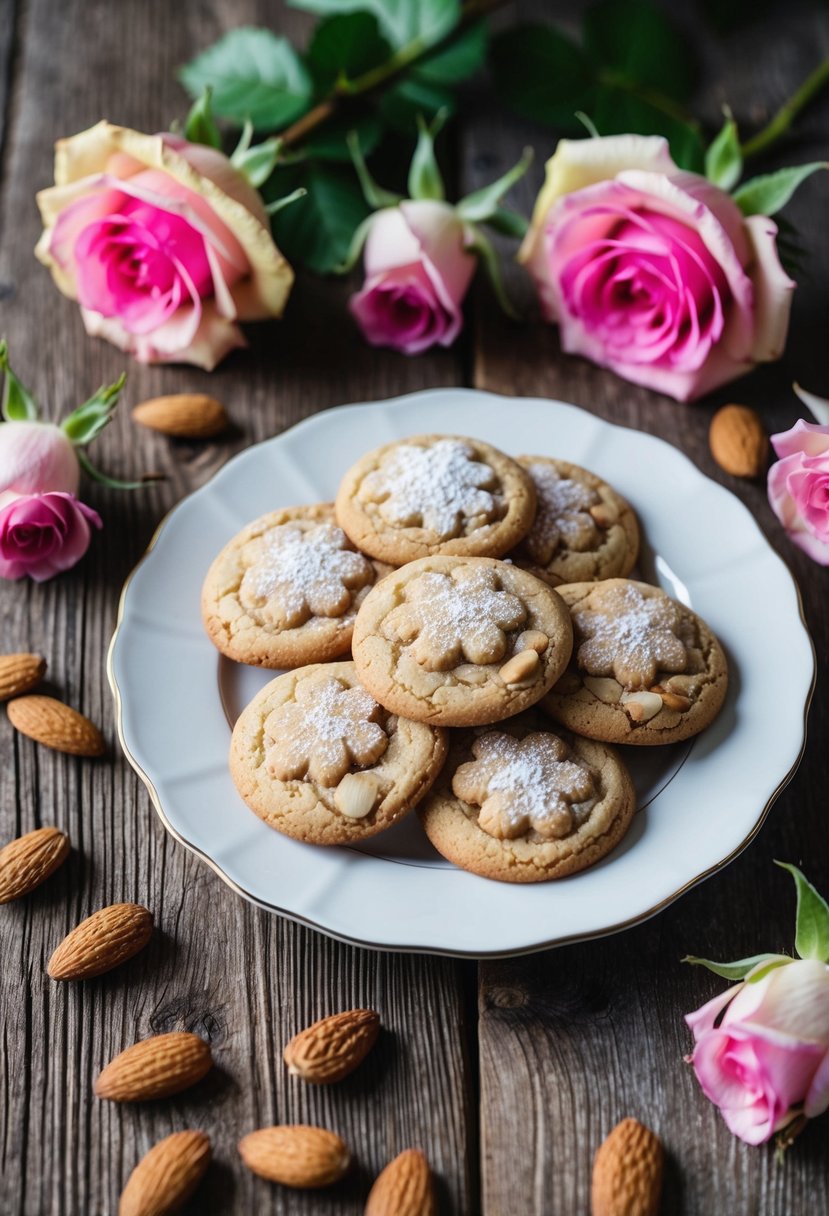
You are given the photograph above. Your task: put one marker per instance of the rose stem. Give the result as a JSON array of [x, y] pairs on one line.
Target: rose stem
[[787, 113]]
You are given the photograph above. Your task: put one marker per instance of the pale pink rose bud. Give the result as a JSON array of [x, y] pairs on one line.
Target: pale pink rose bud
[[418, 269], [43, 534], [762, 1049], [36, 456], [798, 487]]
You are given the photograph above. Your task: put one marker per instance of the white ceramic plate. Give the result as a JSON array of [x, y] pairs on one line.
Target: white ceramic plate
[[700, 803]]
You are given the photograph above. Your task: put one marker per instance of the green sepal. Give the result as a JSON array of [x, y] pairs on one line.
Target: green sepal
[[18, 404], [425, 180], [89, 419], [200, 125], [742, 968], [724, 157], [244, 142], [481, 204], [481, 245], [355, 248], [374, 195], [113, 482], [811, 939], [768, 194], [588, 124], [278, 204], [508, 223], [258, 162]]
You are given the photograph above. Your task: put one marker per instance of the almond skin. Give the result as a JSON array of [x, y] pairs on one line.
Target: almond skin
[[19, 673], [627, 1172], [104, 940], [155, 1068], [297, 1155], [738, 441], [166, 1176], [56, 725], [404, 1188], [333, 1047], [183, 415], [28, 861]]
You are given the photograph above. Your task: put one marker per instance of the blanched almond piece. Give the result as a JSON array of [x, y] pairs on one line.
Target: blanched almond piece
[[520, 667], [672, 700], [641, 706], [295, 1155], [356, 795], [603, 514], [19, 673], [603, 687], [167, 1176], [28, 861], [333, 1047], [404, 1188], [104, 940], [532, 639], [155, 1068]]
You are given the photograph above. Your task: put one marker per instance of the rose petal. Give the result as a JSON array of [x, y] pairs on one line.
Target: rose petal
[[772, 290], [810, 438]]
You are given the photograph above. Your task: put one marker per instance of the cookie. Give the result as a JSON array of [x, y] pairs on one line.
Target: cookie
[[285, 591], [583, 530], [645, 669], [318, 759], [460, 640], [522, 804], [435, 494]]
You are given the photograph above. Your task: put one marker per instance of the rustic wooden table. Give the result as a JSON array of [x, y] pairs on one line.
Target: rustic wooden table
[[508, 1073]]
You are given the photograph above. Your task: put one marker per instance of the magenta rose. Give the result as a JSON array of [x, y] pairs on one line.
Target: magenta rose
[[798, 487], [164, 244], [762, 1049], [43, 534], [418, 270], [654, 272]]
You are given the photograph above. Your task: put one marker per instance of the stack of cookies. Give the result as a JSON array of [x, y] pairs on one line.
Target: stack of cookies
[[498, 652]]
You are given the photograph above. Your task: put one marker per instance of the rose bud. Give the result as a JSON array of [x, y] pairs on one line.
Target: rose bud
[[36, 456], [798, 487]]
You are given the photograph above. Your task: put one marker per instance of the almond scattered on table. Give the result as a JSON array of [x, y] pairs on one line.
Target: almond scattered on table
[[627, 1172], [157, 1067], [55, 725], [333, 1047], [104, 940], [19, 673], [167, 1176], [404, 1188], [738, 441], [296, 1155], [183, 415], [28, 861]]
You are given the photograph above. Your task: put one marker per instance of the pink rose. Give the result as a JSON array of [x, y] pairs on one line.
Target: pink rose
[[43, 534], [164, 244], [799, 487], [418, 270], [654, 272], [36, 456], [768, 1054]]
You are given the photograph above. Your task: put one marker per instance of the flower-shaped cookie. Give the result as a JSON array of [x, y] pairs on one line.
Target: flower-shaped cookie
[[523, 785], [441, 487], [453, 618], [325, 730], [628, 635], [563, 515], [300, 572]]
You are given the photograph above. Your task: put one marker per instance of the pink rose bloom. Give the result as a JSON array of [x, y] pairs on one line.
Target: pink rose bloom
[[418, 270], [799, 487], [164, 244], [43, 534], [652, 271], [767, 1056], [36, 456]]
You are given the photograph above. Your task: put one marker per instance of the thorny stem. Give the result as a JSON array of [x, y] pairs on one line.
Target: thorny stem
[[787, 113]]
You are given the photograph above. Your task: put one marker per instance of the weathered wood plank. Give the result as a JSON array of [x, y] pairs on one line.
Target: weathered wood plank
[[571, 1041], [242, 978]]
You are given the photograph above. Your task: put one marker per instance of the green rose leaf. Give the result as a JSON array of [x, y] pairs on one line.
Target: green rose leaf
[[344, 47], [200, 125], [634, 40], [18, 404], [253, 75], [768, 194], [723, 159], [617, 111], [462, 56], [740, 969], [541, 74], [330, 142], [812, 925], [318, 231], [412, 98], [402, 22]]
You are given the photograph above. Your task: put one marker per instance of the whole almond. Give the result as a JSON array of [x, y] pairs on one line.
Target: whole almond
[[183, 415], [56, 725], [166, 1176], [104, 940], [333, 1047], [19, 673], [404, 1188], [738, 441], [155, 1068], [28, 861], [627, 1172], [296, 1155]]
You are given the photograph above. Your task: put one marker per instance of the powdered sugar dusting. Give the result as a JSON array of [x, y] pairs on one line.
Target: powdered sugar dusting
[[562, 516], [440, 487], [629, 636]]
